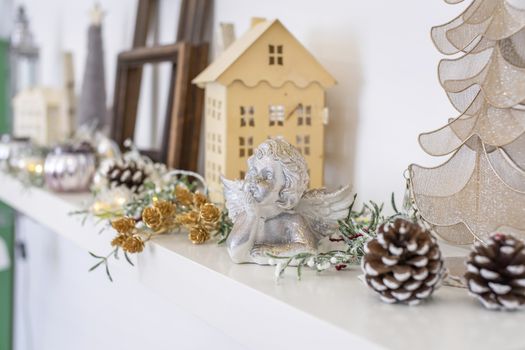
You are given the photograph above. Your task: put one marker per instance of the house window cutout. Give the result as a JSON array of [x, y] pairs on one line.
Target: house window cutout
[[300, 115], [303, 144], [275, 55], [213, 176], [208, 106], [306, 149], [308, 115], [242, 150], [247, 116], [299, 143], [250, 146], [243, 116], [242, 174], [251, 116], [213, 109], [276, 115]]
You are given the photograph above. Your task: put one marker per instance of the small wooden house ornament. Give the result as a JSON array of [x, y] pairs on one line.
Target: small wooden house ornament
[[265, 84]]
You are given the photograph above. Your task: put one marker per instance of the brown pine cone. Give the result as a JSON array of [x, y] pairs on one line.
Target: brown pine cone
[[403, 263], [128, 174], [496, 272]]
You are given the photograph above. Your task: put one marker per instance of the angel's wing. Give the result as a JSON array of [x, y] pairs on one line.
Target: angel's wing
[[323, 209], [234, 196]]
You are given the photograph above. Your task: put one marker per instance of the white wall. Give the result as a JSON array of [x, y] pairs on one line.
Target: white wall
[[379, 51], [382, 56]]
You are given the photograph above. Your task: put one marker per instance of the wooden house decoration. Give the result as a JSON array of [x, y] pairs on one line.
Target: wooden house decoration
[[43, 115], [264, 84]]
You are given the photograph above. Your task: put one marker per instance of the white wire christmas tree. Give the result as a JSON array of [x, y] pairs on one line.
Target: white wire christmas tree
[[481, 188]]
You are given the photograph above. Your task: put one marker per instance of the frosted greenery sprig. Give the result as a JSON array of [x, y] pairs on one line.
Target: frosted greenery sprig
[[225, 227], [354, 231]]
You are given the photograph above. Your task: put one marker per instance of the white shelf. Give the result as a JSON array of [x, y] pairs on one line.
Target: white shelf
[[243, 301]]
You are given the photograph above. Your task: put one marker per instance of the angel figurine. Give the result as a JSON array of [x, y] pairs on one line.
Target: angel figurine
[[272, 211]]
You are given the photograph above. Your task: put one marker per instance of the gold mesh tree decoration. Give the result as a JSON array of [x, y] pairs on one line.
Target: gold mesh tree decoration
[[481, 188]]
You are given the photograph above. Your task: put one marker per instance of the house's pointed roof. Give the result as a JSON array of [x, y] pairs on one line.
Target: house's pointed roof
[[223, 70]]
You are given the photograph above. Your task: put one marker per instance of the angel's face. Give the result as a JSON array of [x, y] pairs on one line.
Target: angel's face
[[264, 180]]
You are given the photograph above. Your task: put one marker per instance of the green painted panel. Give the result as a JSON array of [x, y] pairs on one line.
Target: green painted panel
[[6, 214], [6, 280]]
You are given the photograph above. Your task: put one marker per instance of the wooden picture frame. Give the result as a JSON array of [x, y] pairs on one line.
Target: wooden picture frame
[[182, 110], [193, 25], [189, 56], [194, 21]]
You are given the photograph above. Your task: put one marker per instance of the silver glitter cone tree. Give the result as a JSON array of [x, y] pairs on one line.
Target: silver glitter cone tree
[[481, 188], [92, 104]]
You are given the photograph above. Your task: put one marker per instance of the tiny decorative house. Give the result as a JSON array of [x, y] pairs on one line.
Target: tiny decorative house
[[265, 84], [42, 114]]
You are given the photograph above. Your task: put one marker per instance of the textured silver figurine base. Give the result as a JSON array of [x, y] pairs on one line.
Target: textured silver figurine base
[[272, 211]]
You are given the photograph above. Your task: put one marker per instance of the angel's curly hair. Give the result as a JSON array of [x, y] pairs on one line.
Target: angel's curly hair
[[294, 167]]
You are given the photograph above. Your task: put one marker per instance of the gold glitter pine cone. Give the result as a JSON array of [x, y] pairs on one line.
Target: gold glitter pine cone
[[188, 218], [199, 199], [496, 272], [124, 225], [183, 195], [403, 263], [166, 208], [198, 235], [209, 213], [133, 244], [152, 217], [118, 241]]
